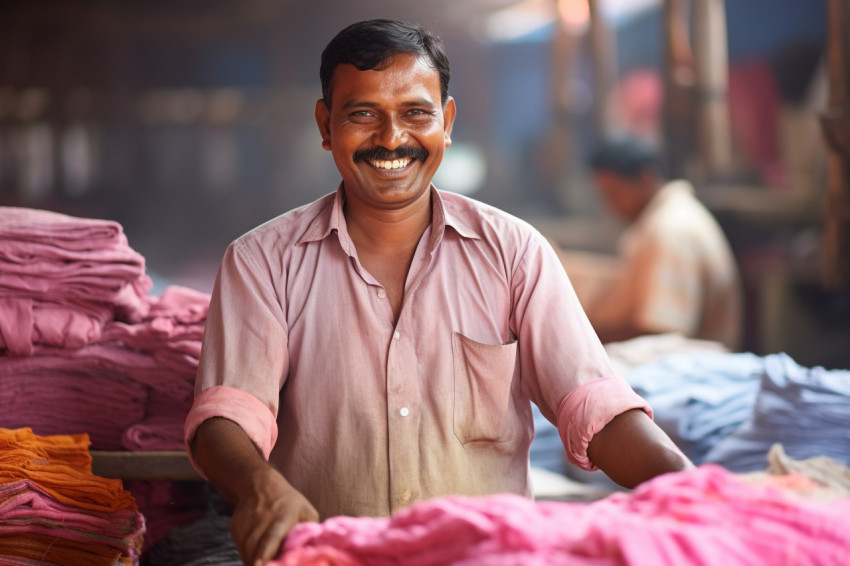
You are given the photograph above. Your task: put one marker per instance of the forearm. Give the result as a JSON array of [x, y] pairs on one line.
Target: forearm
[[227, 456], [632, 449]]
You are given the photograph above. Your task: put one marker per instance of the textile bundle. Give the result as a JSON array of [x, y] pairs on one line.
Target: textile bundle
[[62, 278], [85, 348], [729, 409], [705, 516], [54, 510]]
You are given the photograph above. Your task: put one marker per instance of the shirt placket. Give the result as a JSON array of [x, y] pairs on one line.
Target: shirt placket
[[404, 399], [403, 419]]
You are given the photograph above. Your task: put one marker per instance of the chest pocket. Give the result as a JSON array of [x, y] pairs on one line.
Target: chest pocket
[[483, 377]]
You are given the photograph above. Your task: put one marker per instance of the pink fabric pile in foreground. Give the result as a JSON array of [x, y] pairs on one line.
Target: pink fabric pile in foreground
[[706, 516]]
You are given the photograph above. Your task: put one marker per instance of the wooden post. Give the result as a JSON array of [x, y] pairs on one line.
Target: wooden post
[[712, 70], [835, 124], [604, 56], [679, 82], [562, 146]]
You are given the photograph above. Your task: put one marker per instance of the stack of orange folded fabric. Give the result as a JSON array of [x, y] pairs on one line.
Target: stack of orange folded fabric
[[55, 511]]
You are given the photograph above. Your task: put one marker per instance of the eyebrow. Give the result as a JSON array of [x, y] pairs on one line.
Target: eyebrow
[[418, 102]]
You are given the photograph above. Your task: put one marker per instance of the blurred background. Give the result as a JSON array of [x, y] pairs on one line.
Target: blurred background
[[190, 122]]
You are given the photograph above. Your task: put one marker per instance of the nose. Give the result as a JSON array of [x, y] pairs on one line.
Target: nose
[[391, 133]]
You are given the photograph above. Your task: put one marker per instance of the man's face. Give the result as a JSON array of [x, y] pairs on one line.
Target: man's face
[[624, 196], [387, 130]]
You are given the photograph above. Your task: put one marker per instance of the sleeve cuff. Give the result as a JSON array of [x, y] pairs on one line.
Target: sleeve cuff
[[586, 411], [236, 405]]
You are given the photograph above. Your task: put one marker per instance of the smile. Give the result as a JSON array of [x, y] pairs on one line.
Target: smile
[[391, 164]]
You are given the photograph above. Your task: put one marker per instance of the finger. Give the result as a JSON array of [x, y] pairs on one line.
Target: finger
[[268, 546]]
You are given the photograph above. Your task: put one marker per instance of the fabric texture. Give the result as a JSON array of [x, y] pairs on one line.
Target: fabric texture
[[805, 409], [85, 347], [438, 403], [65, 278], [678, 273], [54, 510], [705, 516]]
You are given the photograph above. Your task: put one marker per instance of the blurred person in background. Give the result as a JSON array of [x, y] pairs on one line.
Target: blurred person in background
[[675, 271]]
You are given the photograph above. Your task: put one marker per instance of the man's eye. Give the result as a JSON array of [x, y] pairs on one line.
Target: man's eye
[[419, 114]]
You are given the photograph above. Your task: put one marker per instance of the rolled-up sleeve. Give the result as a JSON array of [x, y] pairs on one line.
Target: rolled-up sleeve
[[244, 409], [586, 411], [244, 358]]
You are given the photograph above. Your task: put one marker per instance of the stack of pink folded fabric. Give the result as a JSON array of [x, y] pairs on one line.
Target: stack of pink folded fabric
[[62, 278], [84, 347]]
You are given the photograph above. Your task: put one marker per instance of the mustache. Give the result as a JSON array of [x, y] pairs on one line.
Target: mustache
[[383, 154]]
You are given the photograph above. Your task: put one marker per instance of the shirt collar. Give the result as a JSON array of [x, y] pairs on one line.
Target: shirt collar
[[330, 218], [449, 218]]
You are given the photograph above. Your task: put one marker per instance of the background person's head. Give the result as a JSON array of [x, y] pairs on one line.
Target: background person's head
[[370, 44], [627, 173]]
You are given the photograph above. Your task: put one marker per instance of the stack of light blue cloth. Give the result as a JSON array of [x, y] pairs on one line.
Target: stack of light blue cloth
[[807, 410], [730, 408]]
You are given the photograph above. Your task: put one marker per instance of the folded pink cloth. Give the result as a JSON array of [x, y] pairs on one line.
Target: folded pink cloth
[[705, 517], [63, 231], [62, 278]]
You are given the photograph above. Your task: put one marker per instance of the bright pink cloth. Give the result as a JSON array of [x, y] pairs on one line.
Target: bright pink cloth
[[705, 517]]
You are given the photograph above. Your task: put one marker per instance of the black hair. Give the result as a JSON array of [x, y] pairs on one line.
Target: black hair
[[625, 154], [369, 43]]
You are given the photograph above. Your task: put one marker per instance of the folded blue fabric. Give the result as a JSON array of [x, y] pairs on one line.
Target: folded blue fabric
[[807, 410]]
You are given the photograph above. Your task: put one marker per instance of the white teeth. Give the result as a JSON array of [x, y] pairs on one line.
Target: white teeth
[[394, 164]]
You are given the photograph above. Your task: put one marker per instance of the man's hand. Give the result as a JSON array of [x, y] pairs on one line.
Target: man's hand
[[264, 515], [267, 506]]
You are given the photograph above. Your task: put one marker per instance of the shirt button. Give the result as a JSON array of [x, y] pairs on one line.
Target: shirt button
[[396, 335], [405, 496], [381, 294], [404, 411]]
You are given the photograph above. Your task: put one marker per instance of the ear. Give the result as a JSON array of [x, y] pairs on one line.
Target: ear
[[448, 120], [323, 120]]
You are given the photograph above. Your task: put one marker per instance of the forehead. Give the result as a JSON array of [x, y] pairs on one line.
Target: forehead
[[404, 76]]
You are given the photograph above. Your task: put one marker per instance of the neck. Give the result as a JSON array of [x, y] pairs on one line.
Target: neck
[[392, 230]]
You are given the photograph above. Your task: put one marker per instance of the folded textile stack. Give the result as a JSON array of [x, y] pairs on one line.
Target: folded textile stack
[[55, 511], [804, 409], [62, 278], [85, 348], [705, 516]]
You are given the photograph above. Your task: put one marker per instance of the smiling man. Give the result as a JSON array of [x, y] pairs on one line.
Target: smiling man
[[383, 344]]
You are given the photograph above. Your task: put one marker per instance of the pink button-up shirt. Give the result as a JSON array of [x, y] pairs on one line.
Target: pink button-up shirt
[[364, 416]]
